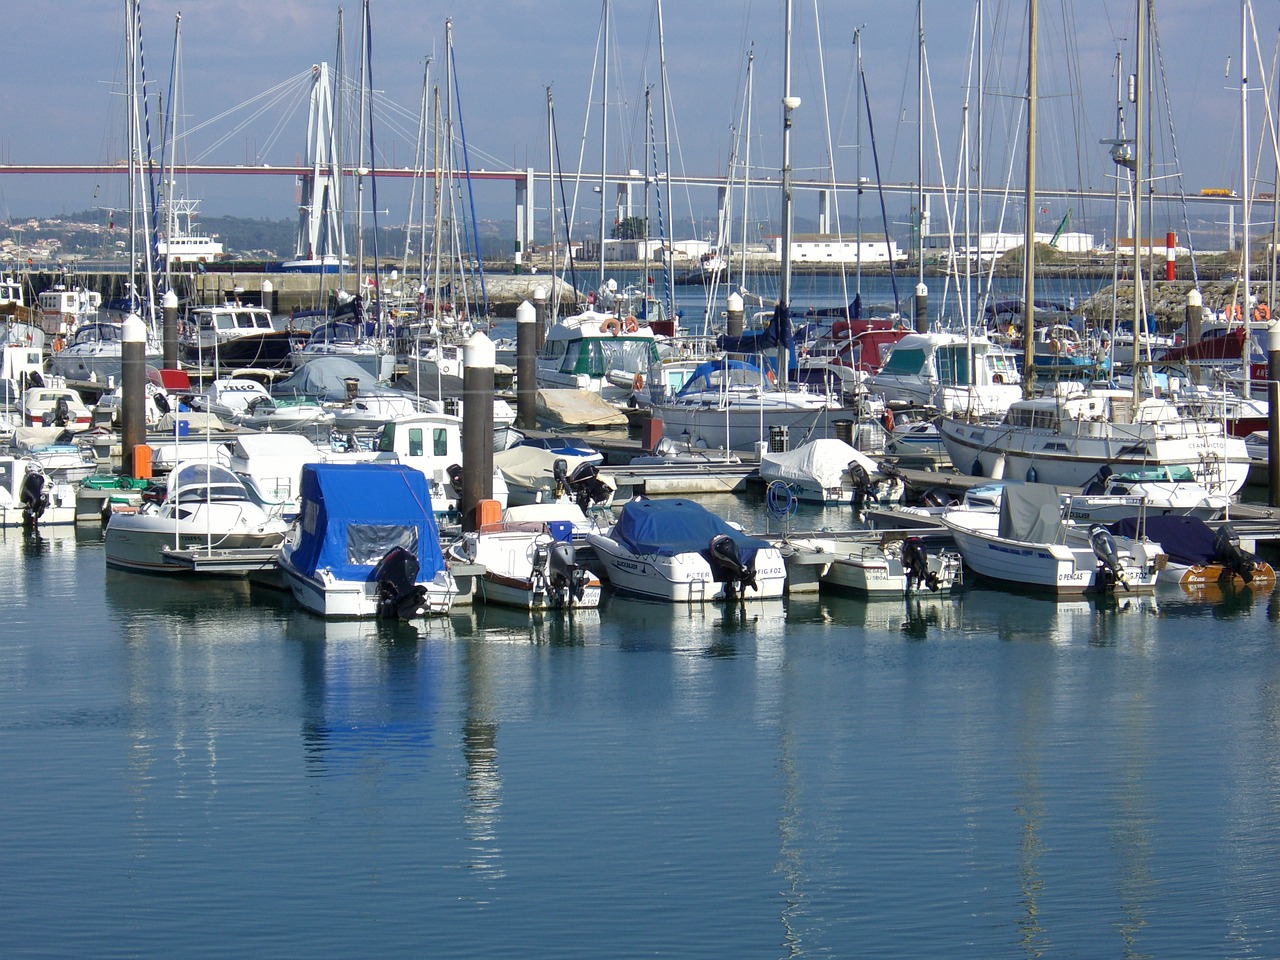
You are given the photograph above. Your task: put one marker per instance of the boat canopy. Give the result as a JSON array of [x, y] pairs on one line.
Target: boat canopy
[[670, 527], [352, 514], [711, 376], [325, 378], [1030, 513], [823, 461], [1186, 540]]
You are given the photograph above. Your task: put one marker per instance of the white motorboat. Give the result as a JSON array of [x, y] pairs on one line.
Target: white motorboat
[[830, 471], [677, 551], [96, 353], [204, 507], [735, 405], [950, 372], [874, 569], [599, 353], [62, 309], [531, 564], [1030, 544], [1162, 489], [366, 544], [1065, 440], [537, 475], [50, 406], [31, 499]]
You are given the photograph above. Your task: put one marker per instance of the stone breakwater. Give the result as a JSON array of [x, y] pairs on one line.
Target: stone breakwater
[[1167, 300]]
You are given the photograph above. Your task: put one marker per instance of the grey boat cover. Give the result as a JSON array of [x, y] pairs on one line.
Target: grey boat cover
[[324, 378], [1030, 512]]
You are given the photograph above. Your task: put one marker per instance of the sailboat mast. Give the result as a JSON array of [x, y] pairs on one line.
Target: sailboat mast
[[789, 104], [167, 137], [669, 265], [1246, 189], [1139, 126], [604, 140], [857, 167], [1029, 228], [920, 146], [361, 170]]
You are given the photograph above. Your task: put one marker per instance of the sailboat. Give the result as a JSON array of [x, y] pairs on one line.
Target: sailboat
[[1065, 439]]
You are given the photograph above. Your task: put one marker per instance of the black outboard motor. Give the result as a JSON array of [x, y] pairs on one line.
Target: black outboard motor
[[399, 593], [915, 562], [728, 568], [568, 581], [560, 473], [586, 486], [861, 485], [1233, 557], [1110, 570], [162, 403], [1098, 484], [34, 496], [61, 412], [455, 478]]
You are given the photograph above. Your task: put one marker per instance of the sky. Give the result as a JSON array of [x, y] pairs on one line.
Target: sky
[[245, 63]]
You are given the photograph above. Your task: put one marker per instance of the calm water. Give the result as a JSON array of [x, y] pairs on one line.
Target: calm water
[[199, 770]]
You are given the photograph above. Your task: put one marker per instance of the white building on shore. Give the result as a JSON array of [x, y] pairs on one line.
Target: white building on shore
[[828, 248]]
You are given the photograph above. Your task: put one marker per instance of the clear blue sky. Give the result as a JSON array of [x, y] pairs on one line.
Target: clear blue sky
[[62, 98]]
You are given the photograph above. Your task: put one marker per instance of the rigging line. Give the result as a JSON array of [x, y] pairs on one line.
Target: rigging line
[[601, 41], [1173, 143], [831, 157], [568, 243], [884, 215], [471, 196]]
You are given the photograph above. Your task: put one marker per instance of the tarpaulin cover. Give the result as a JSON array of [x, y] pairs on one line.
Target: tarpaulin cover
[[1186, 540], [669, 527], [325, 378], [822, 462], [1030, 512], [353, 513]]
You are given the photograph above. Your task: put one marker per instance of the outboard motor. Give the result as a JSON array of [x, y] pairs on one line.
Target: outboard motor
[[560, 472], [1110, 570], [568, 581], [861, 485], [162, 403], [1232, 556], [915, 562], [454, 472], [35, 497], [61, 412], [586, 486], [727, 566], [1098, 484], [399, 593]]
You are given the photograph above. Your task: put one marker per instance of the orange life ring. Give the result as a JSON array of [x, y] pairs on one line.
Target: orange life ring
[[1261, 313], [1232, 311], [770, 377], [888, 419], [1055, 347], [997, 378], [629, 325], [637, 382], [611, 326]]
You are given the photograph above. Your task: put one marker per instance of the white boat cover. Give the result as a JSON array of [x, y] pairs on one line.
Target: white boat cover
[[577, 408], [820, 463], [532, 467]]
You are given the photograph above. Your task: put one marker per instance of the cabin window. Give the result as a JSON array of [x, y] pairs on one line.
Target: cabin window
[[367, 543], [225, 322], [904, 361], [415, 441], [953, 365], [440, 442]]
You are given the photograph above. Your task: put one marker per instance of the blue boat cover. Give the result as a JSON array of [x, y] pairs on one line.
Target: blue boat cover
[[352, 514], [669, 527], [1186, 540]]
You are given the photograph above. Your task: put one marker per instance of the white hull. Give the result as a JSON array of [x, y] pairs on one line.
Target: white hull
[[865, 569], [739, 427], [684, 578], [140, 542], [1057, 568], [327, 596], [527, 594]]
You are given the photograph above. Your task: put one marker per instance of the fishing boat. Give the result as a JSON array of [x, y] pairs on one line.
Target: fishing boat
[[366, 544], [677, 551], [233, 335], [1031, 544], [1066, 439], [531, 564], [62, 308], [201, 506]]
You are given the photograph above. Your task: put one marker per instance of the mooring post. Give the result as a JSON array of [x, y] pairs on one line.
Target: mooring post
[[526, 366], [478, 356], [1273, 413], [133, 387], [922, 308], [170, 322]]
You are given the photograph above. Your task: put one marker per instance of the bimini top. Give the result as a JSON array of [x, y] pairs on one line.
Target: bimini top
[[670, 527], [352, 514]]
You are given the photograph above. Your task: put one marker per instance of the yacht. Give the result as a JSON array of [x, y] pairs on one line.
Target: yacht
[[951, 372], [234, 335]]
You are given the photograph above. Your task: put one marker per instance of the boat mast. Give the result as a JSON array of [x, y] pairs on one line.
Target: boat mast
[[170, 217], [361, 170], [789, 105], [919, 150], [669, 264], [1139, 123], [604, 141], [857, 167], [1246, 190], [1029, 228], [746, 168], [551, 203]]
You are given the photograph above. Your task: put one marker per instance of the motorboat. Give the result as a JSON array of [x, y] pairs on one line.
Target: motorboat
[[873, 568], [366, 544], [948, 371], [50, 406], [677, 551], [537, 475], [247, 403], [62, 308], [531, 564], [30, 498], [841, 359], [95, 352], [1163, 490], [829, 471], [232, 335], [1031, 544], [736, 405], [1064, 439], [1200, 555], [338, 339], [202, 506], [597, 352]]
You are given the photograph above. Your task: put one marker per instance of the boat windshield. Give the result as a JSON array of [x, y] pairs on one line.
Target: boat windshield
[[205, 481]]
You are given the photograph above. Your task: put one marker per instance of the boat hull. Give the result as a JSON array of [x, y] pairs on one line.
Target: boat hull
[[683, 578], [329, 597]]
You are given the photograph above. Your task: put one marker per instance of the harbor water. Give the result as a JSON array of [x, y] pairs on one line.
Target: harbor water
[[197, 768]]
